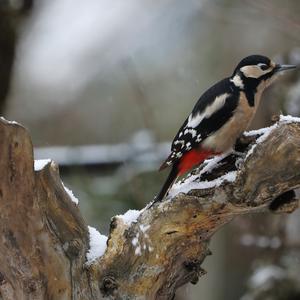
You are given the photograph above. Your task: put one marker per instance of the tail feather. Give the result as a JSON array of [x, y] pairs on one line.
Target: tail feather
[[168, 183]]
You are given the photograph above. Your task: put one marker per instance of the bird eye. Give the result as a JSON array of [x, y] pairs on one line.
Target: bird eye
[[263, 67]]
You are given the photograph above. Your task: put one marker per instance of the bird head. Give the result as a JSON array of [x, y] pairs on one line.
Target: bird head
[[254, 70]]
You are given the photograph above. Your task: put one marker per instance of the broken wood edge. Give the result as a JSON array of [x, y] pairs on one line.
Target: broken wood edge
[[44, 238]]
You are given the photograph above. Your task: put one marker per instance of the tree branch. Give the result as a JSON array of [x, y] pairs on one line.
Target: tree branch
[[149, 253]]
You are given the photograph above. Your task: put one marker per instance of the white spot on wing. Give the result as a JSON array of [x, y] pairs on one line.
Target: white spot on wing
[[179, 142], [217, 104], [188, 146], [192, 131], [178, 155]]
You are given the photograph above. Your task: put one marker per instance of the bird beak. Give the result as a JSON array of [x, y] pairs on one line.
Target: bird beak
[[279, 68]]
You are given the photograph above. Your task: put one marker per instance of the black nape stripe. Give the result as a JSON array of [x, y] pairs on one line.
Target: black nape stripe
[[250, 88], [250, 97]]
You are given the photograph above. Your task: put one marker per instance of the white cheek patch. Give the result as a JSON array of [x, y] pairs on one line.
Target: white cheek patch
[[218, 103], [254, 71]]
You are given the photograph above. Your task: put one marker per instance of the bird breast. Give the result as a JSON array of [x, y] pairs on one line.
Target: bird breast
[[224, 139]]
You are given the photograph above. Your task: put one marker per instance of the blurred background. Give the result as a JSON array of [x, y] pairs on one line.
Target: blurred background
[[103, 87]]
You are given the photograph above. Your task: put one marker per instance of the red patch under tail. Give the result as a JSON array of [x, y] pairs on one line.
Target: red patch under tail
[[193, 158]]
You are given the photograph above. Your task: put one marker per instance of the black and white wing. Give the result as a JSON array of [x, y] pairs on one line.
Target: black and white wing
[[214, 108]]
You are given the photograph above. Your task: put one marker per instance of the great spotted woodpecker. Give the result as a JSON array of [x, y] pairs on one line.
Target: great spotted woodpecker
[[219, 117]]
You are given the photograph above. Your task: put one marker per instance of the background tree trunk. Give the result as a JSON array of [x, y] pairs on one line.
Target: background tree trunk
[[45, 239], [11, 15]]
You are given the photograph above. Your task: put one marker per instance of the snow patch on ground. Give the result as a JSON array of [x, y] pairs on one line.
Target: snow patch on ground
[[97, 245], [71, 195], [40, 164]]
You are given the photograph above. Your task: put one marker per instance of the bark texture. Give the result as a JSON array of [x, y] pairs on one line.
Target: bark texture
[[45, 239]]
